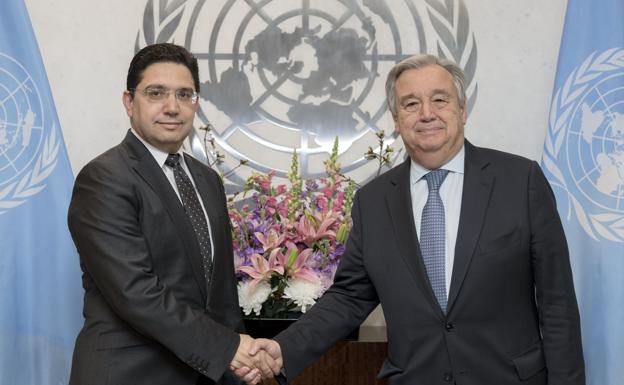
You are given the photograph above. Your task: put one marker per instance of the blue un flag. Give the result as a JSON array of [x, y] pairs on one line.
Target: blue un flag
[[40, 293], [584, 161]]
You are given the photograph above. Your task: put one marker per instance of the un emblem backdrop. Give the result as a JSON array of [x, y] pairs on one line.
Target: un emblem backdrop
[[28, 142], [279, 75], [584, 148]]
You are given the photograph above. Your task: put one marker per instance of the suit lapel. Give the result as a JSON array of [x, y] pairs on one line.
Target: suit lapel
[[399, 201], [478, 183], [145, 165]]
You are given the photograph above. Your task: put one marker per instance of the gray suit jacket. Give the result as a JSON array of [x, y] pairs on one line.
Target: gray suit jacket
[[148, 316], [512, 313]]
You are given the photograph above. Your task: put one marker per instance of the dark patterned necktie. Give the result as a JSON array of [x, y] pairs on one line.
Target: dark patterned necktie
[[193, 209], [433, 236]]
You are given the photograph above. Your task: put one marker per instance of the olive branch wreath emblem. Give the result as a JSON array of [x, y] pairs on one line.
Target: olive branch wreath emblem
[[33, 181], [455, 41], [161, 19], [609, 225]]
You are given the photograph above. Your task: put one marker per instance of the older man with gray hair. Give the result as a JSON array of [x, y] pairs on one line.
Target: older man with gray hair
[[464, 249]]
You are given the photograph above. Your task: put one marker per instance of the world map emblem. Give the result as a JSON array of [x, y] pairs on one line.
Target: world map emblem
[[584, 149], [28, 143], [284, 75]]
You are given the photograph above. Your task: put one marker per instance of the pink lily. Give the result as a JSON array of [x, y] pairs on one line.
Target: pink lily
[[270, 241], [278, 260], [310, 233], [298, 269], [260, 269]]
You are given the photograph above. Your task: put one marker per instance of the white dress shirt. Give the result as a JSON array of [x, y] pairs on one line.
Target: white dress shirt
[[160, 157], [451, 194]]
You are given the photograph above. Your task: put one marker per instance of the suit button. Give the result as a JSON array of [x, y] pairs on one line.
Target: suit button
[[449, 326], [448, 377]]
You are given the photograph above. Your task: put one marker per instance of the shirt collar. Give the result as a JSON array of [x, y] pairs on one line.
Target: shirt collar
[[159, 155], [456, 165]]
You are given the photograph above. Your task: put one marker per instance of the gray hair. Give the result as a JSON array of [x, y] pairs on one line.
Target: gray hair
[[418, 62]]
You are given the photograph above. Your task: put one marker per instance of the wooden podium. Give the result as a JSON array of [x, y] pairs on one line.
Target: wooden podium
[[348, 362]]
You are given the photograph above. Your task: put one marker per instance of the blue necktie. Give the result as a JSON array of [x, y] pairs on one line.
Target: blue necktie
[[193, 209], [433, 236]]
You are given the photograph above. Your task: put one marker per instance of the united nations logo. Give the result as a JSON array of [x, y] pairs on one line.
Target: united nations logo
[[284, 75], [27, 152], [587, 136]]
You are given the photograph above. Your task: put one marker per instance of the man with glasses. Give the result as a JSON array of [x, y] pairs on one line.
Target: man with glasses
[[463, 248], [151, 227]]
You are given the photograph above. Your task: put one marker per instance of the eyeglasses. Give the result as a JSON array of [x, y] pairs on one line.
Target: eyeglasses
[[415, 105], [160, 94]]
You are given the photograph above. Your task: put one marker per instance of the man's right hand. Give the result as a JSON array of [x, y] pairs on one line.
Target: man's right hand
[[252, 367], [265, 350], [272, 348]]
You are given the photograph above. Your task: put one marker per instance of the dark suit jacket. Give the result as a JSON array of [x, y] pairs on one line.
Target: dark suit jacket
[[512, 313], [148, 316]]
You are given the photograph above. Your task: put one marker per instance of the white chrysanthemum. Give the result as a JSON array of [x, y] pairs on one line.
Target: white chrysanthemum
[[251, 298], [303, 292]]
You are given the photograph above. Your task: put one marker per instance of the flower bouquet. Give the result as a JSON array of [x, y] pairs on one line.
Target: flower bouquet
[[288, 240]]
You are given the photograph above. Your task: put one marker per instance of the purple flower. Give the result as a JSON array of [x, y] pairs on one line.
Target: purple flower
[[248, 251], [317, 256], [337, 252], [311, 185], [259, 227], [256, 214]]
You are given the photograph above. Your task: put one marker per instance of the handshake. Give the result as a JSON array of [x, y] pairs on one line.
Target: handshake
[[256, 359]]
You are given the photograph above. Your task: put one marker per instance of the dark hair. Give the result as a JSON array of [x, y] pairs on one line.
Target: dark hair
[[160, 53]]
